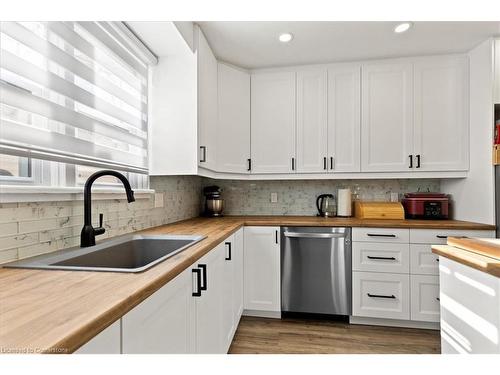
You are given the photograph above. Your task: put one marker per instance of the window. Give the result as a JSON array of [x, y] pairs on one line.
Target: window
[[73, 99]]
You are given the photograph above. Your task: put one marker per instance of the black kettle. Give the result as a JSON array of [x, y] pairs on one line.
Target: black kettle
[[326, 205]]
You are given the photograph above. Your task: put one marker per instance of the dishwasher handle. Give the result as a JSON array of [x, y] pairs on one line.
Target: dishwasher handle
[[314, 235]]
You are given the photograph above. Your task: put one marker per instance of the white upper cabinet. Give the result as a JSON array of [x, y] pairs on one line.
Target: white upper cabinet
[[344, 118], [441, 135], [273, 122], [312, 121], [207, 101], [387, 119], [233, 129]]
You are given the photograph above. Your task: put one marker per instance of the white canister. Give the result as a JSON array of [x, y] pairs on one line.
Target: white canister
[[344, 203]]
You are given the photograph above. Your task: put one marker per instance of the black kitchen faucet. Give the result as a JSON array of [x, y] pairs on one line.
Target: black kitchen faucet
[[87, 237]]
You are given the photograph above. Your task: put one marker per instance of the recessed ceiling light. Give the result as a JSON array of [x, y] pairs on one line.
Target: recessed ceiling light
[[402, 27], [285, 37]]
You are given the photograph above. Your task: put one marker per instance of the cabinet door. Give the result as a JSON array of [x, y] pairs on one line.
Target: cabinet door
[[207, 102], [262, 269], [209, 304], [311, 121], [238, 274], [229, 293], [233, 131], [424, 298], [164, 322], [387, 119], [106, 342], [344, 118], [441, 114], [273, 122]]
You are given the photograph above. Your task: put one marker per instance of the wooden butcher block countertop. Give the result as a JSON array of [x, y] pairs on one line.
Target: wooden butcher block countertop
[[482, 254], [58, 311]]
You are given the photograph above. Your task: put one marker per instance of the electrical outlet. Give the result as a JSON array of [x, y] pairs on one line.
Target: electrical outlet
[[274, 197], [158, 200], [394, 197]]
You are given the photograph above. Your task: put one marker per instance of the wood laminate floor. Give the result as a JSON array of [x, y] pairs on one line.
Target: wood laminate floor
[[295, 336]]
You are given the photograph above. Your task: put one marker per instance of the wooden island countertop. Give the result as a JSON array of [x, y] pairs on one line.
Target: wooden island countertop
[[55, 311], [482, 254]]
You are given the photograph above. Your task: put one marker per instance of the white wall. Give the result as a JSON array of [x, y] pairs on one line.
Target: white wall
[[474, 196], [173, 123]]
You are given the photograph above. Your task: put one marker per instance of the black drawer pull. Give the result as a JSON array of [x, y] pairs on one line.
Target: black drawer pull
[[381, 258], [380, 235], [441, 236], [392, 296], [203, 284], [197, 271], [229, 250]]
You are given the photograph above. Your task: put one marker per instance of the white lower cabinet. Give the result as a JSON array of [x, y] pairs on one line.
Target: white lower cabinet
[[424, 298], [262, 270], [196, 312], [208, 306], [470, 309], [395, 273], [164, 322], [232, 287], [106, 342], [381, 295]]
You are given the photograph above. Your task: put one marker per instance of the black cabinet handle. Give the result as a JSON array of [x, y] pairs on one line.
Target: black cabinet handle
[[204, 153], [438, 299], [228, 244], [276, 238], [411, 161], [197, 272], [249, 164], [441, 236], [392, 296], [381, 258], [331, 162], [203, 284], [324, 163], [418, 161], [293, 164], [380, 235]]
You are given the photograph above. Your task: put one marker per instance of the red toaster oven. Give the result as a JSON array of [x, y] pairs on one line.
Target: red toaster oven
[[426, 205]]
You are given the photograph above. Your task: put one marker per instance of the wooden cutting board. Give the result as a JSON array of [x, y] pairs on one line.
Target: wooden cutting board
[[489, 247]]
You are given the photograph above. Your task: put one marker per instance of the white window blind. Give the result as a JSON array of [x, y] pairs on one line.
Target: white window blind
[[74, 92]]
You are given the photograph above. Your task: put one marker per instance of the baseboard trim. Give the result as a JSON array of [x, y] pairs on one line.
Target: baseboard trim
[[393, 323], [263, 314]]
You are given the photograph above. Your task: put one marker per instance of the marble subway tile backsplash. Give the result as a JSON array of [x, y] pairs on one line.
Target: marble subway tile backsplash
[[28, 229], [298, 197]]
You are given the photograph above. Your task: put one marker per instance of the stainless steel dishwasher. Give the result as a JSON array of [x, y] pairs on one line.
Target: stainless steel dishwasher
[[316, 270]]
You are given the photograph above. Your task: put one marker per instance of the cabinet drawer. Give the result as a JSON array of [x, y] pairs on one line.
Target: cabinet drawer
[[380, 257], [424, 298], [381, 235], [439, 236], [423, 261], [381, 295]]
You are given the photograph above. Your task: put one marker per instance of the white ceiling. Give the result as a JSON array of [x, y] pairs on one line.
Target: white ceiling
[[256, 45]]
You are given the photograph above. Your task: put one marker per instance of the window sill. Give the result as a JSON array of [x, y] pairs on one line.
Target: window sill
[[19, 193]]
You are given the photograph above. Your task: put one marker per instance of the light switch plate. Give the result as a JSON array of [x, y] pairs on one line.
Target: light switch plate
[[158, 200], [274, 197]]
